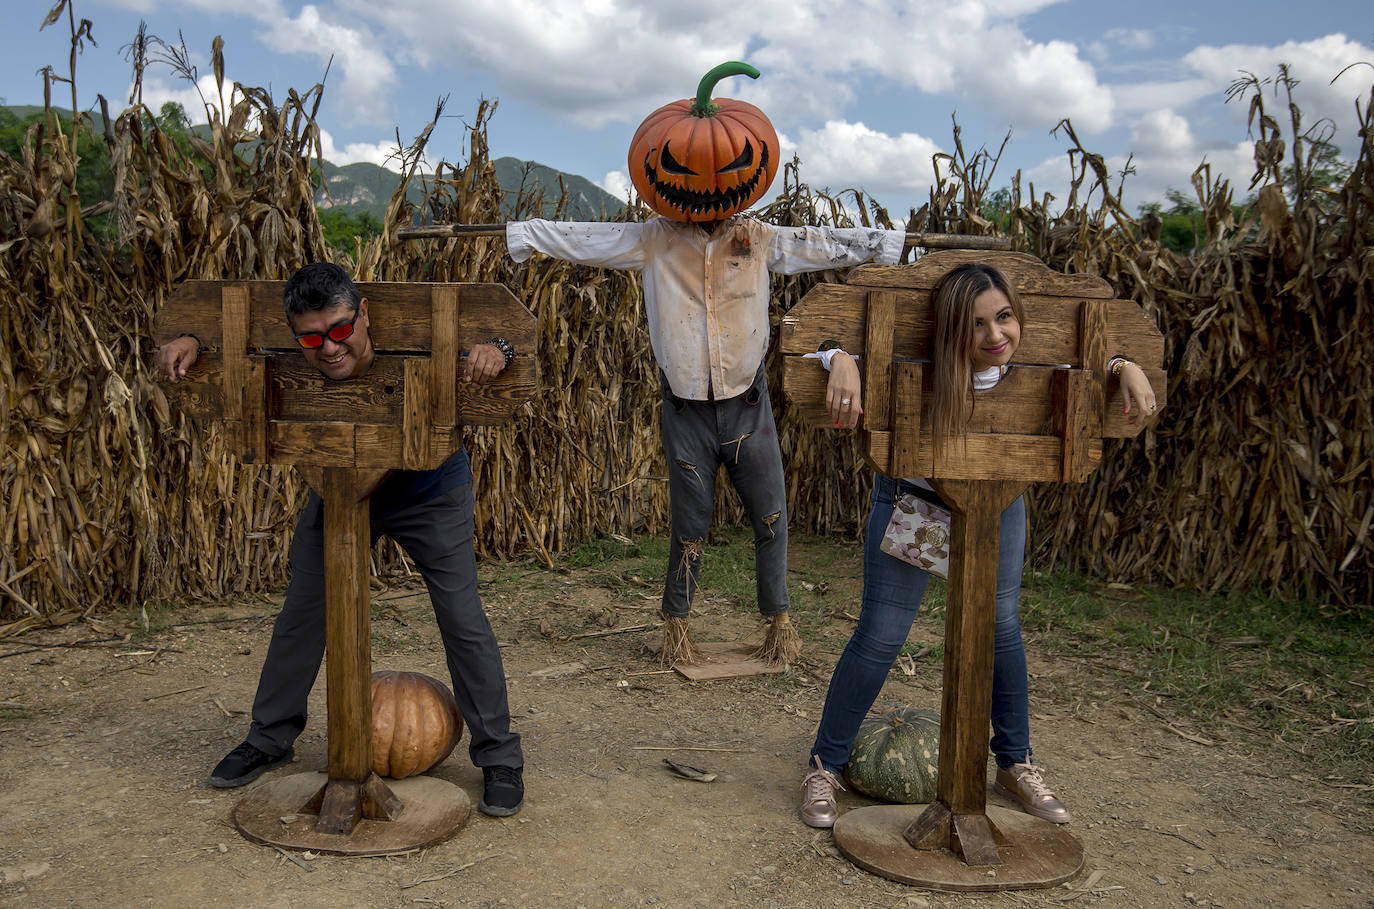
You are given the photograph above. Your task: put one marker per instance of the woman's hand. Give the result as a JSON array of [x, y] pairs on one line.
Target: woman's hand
[[842, 397], [1139, 396]]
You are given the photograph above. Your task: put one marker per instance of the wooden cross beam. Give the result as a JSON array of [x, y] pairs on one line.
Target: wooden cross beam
[[406, 412], [1043, 422]]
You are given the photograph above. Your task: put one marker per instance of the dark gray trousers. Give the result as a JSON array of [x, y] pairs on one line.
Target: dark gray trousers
[[699, 436], [437, 535]]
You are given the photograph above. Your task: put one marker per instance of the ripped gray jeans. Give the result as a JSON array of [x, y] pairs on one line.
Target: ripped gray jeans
[[699, 436]]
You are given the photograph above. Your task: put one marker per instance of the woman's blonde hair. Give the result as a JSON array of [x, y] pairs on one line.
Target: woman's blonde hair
[[951, 355]]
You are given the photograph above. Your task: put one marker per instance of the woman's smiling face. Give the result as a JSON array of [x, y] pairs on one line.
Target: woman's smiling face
[[996, 332]]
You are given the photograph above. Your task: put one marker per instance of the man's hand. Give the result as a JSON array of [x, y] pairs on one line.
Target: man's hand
[[175, 357], [842, 396], [483, 363]]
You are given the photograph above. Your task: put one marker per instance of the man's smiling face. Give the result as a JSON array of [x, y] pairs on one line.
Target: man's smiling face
[[346, 359]]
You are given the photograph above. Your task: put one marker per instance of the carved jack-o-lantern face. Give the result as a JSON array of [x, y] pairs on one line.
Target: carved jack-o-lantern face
[[704, 160]]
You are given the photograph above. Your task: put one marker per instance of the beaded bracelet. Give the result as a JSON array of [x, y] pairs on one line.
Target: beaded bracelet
[[1116, 364], [504, 346]]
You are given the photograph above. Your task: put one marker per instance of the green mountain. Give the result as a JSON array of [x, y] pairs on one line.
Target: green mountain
[[367, 187], [358, 188]]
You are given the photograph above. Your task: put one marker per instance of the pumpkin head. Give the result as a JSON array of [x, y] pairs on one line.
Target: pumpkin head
[[415, 723], [704, 160]]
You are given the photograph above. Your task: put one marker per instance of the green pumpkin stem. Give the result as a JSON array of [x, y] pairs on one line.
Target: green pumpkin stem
[[703, 107]]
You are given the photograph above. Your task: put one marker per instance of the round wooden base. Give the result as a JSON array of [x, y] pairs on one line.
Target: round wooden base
[[1035, 854], [273, 815]]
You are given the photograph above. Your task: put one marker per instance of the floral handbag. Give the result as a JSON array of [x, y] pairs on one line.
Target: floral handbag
[[919, 534]]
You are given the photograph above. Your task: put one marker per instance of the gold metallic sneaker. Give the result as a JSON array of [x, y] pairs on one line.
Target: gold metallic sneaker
[[1024, 784], [818, 804]]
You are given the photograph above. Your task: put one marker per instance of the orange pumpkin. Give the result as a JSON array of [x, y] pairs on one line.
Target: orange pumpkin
[[415, 723], [704, 160]]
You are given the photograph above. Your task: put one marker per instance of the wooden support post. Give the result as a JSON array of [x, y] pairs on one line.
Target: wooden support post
[[957, 820], [353, 790], [882, 315]]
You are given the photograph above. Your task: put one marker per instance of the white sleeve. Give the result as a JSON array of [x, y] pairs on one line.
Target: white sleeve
[[609, 245], [798, 249], [825, 356]]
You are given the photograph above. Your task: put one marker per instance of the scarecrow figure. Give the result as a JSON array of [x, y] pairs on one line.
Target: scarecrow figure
[[706, 269]]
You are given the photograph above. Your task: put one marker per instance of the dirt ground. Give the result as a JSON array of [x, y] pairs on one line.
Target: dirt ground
[[107, 747]]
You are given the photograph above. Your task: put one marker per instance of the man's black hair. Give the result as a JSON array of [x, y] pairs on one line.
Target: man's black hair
[[319, 285]]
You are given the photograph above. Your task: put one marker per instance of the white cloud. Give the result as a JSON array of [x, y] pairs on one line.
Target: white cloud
[[381, 154], [615, 61], [1146, 96], [1139, 39], [617, 183], [844, 155], [366, 75], [1161, 131], [192, 98], [1314, 63]]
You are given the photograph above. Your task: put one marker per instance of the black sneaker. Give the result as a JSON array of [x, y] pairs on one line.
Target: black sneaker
[[245, 764], [503, 791]]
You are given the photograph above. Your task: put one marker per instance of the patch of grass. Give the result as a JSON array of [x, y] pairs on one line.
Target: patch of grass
[[1291, 668], [150, 620], [11, 712]]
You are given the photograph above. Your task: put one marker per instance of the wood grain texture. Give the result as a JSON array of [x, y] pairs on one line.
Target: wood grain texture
[[1027, 273], [399, 312], [877, 365], [969, 615], [906, 418], [415, 428], [233, 305], [444, 353], [348, 642]]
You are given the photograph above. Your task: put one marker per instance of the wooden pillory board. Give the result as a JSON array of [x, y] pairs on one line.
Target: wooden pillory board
[[1042, 423], [407, 412]]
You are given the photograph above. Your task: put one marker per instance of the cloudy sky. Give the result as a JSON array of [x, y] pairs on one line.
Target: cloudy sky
[[863, 92]]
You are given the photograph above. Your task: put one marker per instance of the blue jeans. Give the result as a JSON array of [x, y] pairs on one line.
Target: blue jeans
[[893, 590]]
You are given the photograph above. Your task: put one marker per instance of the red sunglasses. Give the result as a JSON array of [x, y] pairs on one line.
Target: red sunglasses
[[312, 340]]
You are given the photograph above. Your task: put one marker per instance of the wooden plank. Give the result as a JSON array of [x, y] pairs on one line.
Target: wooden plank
[[1072, 405], [990, 456], [302, 393], [494, 403], [399, 313], [254, 445], [1026, 273], [318, 444], [444, 355], [1049, 338], [877, 362], [726, 660], [234, 316], [1092, 349], [380, 446], [415, 429], [1020, 403], [906, 418]]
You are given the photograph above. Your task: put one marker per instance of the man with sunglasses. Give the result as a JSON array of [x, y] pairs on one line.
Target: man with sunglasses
[[429, 512]]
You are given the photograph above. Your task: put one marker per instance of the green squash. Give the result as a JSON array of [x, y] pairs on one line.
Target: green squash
[[895, 756]]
